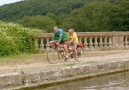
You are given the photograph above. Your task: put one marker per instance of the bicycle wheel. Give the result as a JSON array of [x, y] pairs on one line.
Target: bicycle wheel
[[53, 56], [80, 54]]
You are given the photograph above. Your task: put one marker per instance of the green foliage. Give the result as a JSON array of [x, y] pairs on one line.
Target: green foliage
[[15, 11], [82, 15], [15, 39], [93, 16], [100, 16], [120, 16], [40, 22]]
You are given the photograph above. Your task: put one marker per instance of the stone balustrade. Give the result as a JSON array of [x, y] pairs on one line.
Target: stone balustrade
[[91, 40]]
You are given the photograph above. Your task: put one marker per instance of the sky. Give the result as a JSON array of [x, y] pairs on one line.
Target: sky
[[2, 2]]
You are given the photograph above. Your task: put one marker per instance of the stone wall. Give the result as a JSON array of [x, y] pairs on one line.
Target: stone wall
[[26, 79]]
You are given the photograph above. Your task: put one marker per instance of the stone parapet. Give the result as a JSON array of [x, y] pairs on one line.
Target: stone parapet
[[91, 40]]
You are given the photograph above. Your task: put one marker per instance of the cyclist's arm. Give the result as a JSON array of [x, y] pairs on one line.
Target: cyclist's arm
[[72, 39], [54, 38], [60, 37]]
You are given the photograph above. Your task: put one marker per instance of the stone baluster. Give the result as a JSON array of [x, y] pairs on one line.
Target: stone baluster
[[80, 39], [126, 41], [42, 44], [85, 42], [96, 43], [36, 43], [101, 42], [105, 42], [110, 42], [47, 43], [91, 43]]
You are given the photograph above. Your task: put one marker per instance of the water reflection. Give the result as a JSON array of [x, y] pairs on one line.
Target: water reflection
[[111, 82]]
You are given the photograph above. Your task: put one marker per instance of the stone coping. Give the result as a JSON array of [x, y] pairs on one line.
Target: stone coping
[[86, 34]]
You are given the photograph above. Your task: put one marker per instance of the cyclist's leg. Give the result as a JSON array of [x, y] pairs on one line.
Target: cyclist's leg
[[75, 49], [65, 47], [65, 42]]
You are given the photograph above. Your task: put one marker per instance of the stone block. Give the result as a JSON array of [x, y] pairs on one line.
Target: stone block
[[16, 79], [76, 71], [85, 69], [103, 67], [94, 69], [31, 77], [66, 72], [124, 64], [42, 76], [5, 80], [51, 75], [114, 65]]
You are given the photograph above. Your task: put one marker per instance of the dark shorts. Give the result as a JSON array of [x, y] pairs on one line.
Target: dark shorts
[[64, 42]]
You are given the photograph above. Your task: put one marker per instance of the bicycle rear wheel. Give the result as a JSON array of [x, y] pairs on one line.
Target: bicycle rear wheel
[[80, 53], [53, 56]]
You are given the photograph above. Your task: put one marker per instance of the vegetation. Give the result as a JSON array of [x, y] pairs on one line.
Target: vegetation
[[83, 15], [15, 11], [41, 22], [15, 39], [100, 16]]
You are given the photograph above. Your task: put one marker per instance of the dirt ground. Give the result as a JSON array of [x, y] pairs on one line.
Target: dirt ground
[[30, 62]]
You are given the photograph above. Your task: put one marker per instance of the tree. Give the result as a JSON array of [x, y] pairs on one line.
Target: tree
[[40, 22], [94, 16], [120, 16], [16, 11]]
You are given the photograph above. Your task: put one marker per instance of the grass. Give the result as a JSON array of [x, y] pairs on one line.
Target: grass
[[70, 64], [25, 58]]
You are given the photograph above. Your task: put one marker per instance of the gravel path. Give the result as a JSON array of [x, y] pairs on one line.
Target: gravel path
[[116, 55]]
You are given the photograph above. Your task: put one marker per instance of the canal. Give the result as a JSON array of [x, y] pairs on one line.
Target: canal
[[119, 81]]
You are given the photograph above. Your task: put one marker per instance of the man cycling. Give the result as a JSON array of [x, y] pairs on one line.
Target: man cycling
[[73, 40], [62, 38]]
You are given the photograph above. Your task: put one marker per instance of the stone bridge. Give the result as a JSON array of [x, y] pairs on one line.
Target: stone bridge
[[114, 58]]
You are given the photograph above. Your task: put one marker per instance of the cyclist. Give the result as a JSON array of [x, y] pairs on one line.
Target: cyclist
[[73, 39], [62, 38]]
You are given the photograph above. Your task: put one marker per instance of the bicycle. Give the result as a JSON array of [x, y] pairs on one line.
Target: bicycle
[[56, 53]]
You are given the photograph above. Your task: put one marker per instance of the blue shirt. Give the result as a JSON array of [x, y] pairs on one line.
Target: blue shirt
[[59, 32], [59, 35]]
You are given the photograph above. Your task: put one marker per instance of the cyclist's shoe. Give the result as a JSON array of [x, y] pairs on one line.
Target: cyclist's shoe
[[76, 58], [66, 58]]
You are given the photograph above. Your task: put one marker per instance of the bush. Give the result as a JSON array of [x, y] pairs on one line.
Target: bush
[[15, 39]]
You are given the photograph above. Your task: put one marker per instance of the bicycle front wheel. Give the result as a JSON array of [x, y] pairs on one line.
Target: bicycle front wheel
[[53, 56]]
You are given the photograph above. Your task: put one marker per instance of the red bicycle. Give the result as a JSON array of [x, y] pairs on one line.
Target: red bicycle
[[56, 53]]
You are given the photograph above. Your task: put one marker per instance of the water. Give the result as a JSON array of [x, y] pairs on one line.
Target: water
[[118, 81]]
